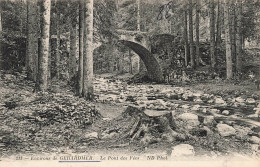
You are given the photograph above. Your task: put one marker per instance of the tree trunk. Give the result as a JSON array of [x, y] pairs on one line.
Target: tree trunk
[[185, 36], [1, 29], [227, 40], [44, 48], [32, 40], [218, 26], [73, 47], [120, 65], [116, 4], [138, 15], [57, 50], [197, 32], [232, 30], [22, 18], [88, 58], [130, 63], [238, 37], [191, 34], [81, 47], [243, 41], [108, 65], [212, 34], [147, 121], [73, 52]]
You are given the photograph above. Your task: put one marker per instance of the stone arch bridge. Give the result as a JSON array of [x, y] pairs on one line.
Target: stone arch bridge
[[139, 42]]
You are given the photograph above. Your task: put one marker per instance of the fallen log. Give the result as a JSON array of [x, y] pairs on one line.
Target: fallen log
[[217, 106], [229, 118]]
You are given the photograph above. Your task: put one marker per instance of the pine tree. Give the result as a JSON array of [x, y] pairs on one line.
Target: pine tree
[[212, 34], [1, 29], [73, 42], [227, 41], [88, 57], [42, 82], [130, 62], [232, 30], [58, 48], [191, 34], [218, 26], [32, 40], [197, 32], [81, 46], [185, 37], [138, 15], [238, 36]]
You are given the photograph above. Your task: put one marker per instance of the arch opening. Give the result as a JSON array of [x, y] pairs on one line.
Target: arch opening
[[154, 70]]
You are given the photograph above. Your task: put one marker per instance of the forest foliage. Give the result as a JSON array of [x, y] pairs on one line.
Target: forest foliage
[[111, 15]]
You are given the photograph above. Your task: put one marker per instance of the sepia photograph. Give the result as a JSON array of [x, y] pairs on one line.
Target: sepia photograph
[[93, 83]]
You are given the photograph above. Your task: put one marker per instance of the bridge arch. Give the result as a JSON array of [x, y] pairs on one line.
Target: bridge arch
[[154, 70], [140, 43]]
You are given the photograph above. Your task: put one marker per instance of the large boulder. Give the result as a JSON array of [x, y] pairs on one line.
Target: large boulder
[[208, 120], [225, 112], [219, 100], [92, 135], [190, 120], [239, 100], [182, 150], [226, 130], [108, 135], [255, 140], [250, 101]]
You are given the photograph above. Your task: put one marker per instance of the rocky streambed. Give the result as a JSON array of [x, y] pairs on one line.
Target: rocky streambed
[[228, 120], [136, 119]]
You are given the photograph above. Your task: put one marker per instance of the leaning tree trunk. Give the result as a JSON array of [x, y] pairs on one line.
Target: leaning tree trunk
[[44, 48], [197, 32], [191, 34], [239, 37], [32, 40], [212, 34], [81, 47], [228, 43], [88, 58]]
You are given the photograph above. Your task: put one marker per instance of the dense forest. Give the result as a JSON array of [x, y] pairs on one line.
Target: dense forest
[[130, 74]]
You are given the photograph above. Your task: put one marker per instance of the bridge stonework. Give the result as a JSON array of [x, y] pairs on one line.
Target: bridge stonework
[[139, 42]]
